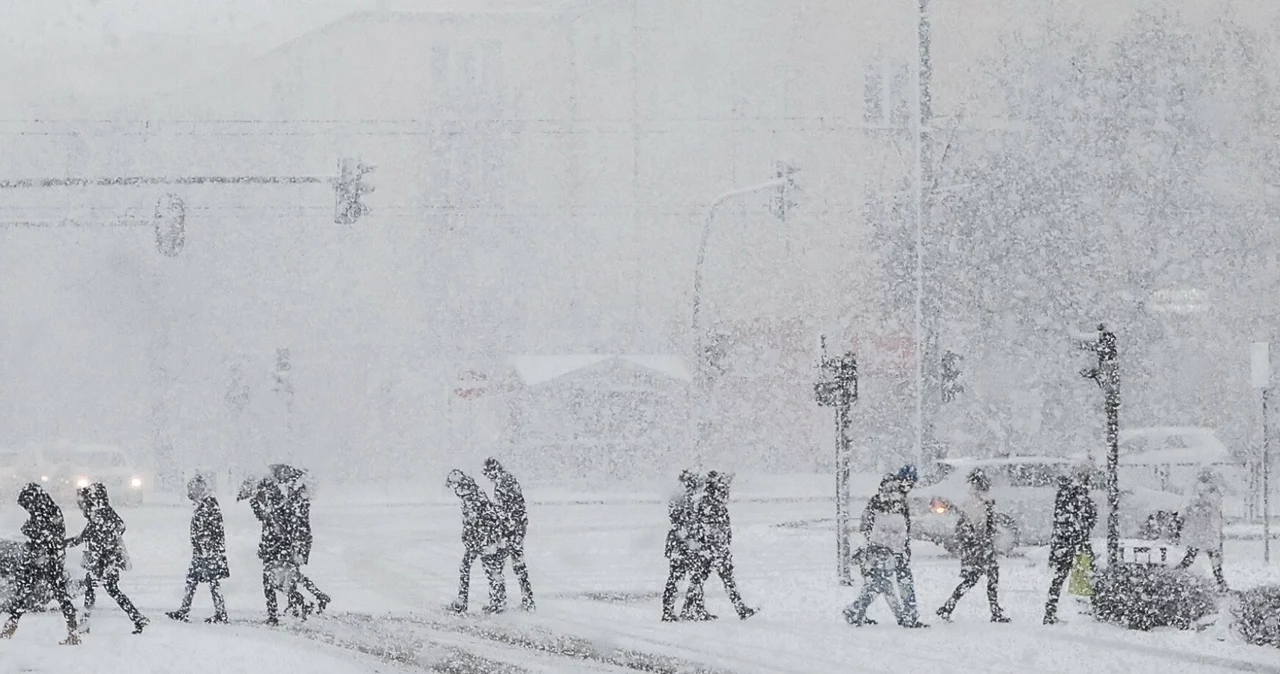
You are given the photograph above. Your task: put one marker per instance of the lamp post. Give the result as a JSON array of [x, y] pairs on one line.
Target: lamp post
[[780, 183]]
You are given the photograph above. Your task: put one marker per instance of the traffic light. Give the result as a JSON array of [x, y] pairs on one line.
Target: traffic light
[[348, 189], [781, 203], [171, 225], [951, 386], [1107, 372]]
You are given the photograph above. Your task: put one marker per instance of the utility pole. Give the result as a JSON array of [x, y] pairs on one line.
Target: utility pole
[[1260, 360], [837, 387], [923, 182], [1107, 376]]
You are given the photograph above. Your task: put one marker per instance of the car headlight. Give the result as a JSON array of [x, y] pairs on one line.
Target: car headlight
[[82, 482], [44, 478], [938, 506], [136, 483]]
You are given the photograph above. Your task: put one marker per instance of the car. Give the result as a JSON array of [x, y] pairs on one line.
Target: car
[[12, 557], [68, 466], [1024, 489]]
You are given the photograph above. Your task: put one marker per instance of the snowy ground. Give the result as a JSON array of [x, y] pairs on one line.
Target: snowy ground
[[596, 562]]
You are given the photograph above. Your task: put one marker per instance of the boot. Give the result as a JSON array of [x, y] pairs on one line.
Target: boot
[[527, 604], [180, 616], [458, 606], [322, 602], [216, 619], [944, 614], [9, 628], [139, 624], [73, 639], [1050, 619], [746, 612], [998, 616], [670, 617]]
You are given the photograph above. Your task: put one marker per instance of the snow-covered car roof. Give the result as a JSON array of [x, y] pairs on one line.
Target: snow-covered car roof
[[1009, 461], [1171, 445]]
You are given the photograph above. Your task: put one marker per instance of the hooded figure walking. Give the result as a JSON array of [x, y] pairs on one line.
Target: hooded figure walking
[[513, 518], [45, 562], [715, 535], [886, 522], [275, 548], [1202, 525], [298, 517], [1074, 517], [682, 511], [105, 556], [481, 537], [208, 552], [976, 534]]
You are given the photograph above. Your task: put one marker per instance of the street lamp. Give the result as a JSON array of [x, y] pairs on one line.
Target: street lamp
[[784, 181]]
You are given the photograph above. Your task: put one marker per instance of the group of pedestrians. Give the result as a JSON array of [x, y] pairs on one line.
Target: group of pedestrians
[[699, 544], [281, 503], [492, 531]]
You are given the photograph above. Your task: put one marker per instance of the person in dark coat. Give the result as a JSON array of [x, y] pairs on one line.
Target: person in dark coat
[[513, 520], [298, 505], [976, 534], [45, 562], [715, 536], [682, 511], [481, 537], [886, 521], [1074, 516], [105, 556], [275, 547], [208, 552]]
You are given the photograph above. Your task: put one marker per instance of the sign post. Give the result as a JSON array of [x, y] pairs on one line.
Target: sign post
[[1260, 360], [837, 387]]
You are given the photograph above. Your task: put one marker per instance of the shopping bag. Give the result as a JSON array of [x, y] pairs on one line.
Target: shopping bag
[[1080, 574]]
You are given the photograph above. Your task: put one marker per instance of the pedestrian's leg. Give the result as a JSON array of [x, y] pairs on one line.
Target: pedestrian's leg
[[993, 594], [497, 583], [28, 581], [1061, 569], [724, 567], [1189, 558], [522, 573], [1215, 559], [856, 613], [322, 599], [188, 595], [694, 606], [907, 585], [464, 580], [112, 584], [269, 591], [219, 604], [678, 569], [57, 579], [968, 578], [891, 597], [90, 597]]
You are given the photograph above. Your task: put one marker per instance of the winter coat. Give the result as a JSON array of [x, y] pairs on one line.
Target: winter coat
[[481, 526], [713, 531], [298, 524], [103, 534], [1202, 523], [514, 517], [1074, 517], [682, 511], [976, 533], [886, 522], [208, 542], [45, 529], [268, 506], [874, 561]]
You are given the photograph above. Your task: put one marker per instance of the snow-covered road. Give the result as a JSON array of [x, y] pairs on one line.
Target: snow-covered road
[[597, 567]]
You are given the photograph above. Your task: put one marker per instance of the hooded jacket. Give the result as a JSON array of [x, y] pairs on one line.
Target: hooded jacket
[[103, 534], [1074, 517], [886, 521], [481, 527], [512, 511], [45, 528]]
